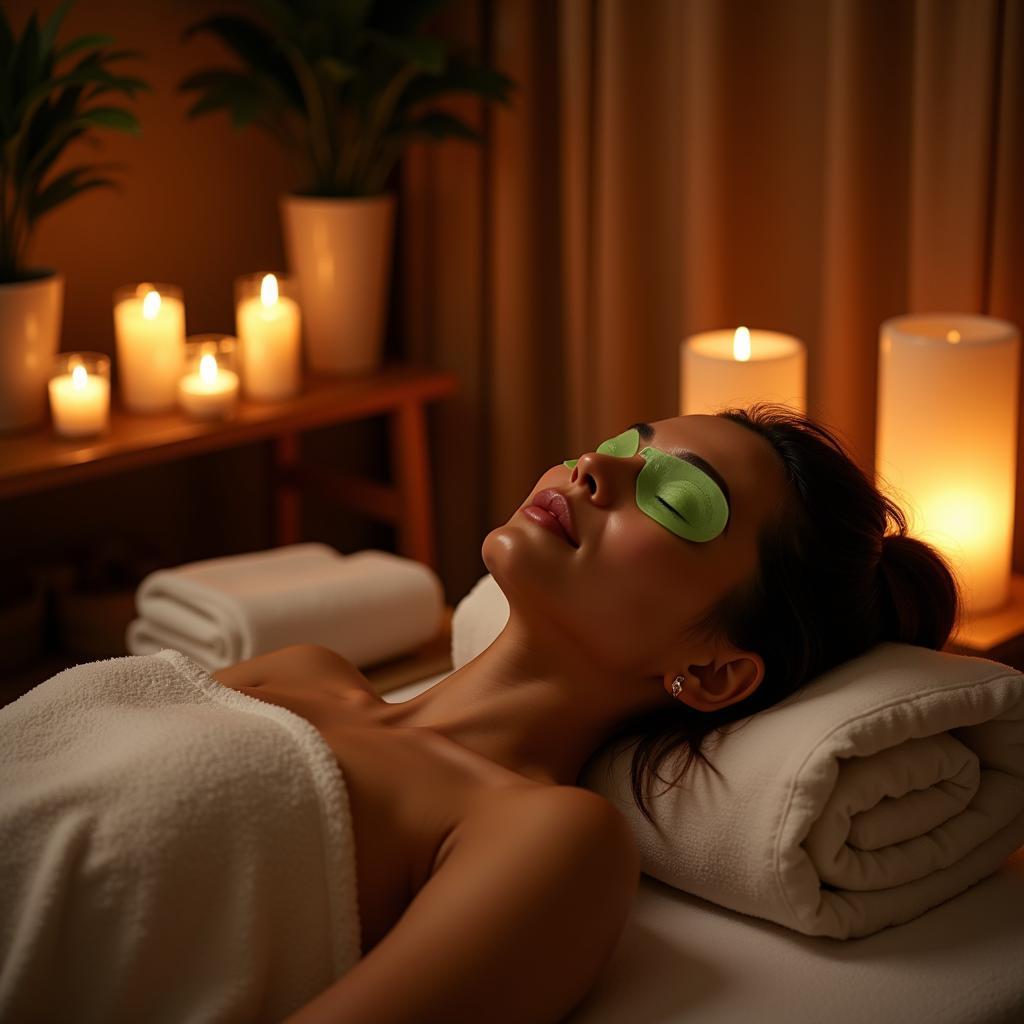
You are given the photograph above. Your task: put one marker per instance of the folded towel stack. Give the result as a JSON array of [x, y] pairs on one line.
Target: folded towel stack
[[172, 850], [881, 789], [367, 606]]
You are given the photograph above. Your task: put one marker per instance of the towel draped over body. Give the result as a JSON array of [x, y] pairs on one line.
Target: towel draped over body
[[170, 850]]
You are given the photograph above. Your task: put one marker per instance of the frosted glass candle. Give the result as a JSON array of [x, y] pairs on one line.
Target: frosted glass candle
[[947, 440], [149, 325], [209, 388], [80, 394], [737, 367], [269, 326]]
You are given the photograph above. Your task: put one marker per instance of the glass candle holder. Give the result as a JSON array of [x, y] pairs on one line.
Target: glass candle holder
[[268, 322], [149, 325], [80, 394], [208, 390]]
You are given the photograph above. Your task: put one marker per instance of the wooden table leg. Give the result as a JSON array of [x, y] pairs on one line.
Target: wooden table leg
[[410, 458], [287, 507]]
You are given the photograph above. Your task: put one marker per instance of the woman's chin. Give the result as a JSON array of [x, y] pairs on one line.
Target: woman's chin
[[516, 556]]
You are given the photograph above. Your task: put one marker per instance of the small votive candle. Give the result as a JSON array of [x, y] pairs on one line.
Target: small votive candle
[[209, 388], [149, 324], [80, 394], [738, 367], [269, 326]]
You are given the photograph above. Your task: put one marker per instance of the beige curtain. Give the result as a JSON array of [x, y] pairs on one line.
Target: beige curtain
[[669, 166]]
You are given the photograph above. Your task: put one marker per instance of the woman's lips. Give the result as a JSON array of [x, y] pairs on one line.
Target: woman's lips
[[551, 508]]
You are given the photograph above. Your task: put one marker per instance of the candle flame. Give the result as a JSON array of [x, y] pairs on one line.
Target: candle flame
[[741, 345], [79, 376], [151, 305], [953, 336], [268, 290], [208, 369]]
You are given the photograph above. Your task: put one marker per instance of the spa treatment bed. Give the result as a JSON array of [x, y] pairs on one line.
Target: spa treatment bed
[[861, 858]]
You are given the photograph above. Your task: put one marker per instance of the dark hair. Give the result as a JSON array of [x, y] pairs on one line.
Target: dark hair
[[837, 575]]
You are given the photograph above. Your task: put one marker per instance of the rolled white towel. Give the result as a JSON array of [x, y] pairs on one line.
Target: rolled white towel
[[884, 787], [367, 606]]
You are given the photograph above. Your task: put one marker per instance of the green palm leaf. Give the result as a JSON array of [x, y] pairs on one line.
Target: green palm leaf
[[342, 82], [44, 107], [63, 188]]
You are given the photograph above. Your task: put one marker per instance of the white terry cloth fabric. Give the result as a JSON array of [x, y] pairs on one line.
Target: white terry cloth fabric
[[173, 850], [882, 788], [368, 606]]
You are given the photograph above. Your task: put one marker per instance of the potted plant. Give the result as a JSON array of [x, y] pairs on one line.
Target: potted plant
[[344, 87], [42, 110]]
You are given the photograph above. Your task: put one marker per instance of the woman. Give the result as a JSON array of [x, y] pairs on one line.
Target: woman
[[491, 887]]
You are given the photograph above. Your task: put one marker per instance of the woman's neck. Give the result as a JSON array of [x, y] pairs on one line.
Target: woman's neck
[[530, 703]]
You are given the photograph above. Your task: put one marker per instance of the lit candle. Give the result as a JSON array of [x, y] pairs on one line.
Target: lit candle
[[947, 440], [719, 369], [79, 400], [268, 327], [149, 323], [209, 393]]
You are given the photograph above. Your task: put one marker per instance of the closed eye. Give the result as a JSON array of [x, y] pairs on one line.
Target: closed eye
[[669, 507]]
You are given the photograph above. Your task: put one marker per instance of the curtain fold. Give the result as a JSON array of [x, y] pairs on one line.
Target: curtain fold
[[679, 165]]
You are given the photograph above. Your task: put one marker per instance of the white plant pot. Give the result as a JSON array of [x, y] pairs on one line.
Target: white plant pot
[[339, 251], [30, 321]]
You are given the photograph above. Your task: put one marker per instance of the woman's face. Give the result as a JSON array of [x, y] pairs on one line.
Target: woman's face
[[632, 585]]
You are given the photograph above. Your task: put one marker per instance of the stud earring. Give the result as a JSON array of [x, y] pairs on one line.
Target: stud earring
[[677, 685]]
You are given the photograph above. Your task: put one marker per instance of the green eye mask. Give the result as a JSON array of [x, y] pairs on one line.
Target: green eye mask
[[674, 493]]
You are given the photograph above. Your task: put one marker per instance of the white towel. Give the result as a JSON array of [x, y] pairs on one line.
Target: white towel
[[172, 851], [367, 606], [884, 787]]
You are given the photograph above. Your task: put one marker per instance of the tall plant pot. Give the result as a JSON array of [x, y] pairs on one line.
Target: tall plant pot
[[30, 319], [340, 252]]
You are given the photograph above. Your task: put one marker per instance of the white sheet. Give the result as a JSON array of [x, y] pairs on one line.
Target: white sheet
[[683, 960]]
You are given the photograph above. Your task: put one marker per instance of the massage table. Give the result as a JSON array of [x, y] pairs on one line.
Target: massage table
[[683, 959]]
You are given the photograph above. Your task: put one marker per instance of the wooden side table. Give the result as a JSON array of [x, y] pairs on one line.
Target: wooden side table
[[39, 460]]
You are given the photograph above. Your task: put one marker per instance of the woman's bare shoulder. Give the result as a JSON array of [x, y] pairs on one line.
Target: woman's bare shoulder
[[515, 923], [307, 661], [561, 812]]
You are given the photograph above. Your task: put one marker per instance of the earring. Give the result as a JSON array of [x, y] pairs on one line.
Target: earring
[[677, 685]]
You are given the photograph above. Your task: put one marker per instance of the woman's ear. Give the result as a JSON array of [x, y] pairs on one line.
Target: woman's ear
[[726, 679]]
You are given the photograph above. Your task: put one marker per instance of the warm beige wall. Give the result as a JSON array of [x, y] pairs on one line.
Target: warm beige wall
[[198, 206]]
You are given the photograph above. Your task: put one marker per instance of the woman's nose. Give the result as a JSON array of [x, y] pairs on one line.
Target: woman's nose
[[605, 476]]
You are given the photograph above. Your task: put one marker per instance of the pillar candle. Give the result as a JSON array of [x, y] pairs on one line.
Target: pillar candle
[[947, 440], [269, 329], [149, 324], [737, 367]]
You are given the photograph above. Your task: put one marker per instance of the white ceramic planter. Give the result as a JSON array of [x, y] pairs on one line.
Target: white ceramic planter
[[339, 251], [30, 321]]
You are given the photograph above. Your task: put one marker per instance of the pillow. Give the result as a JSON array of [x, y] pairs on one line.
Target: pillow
[[889, 784]]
